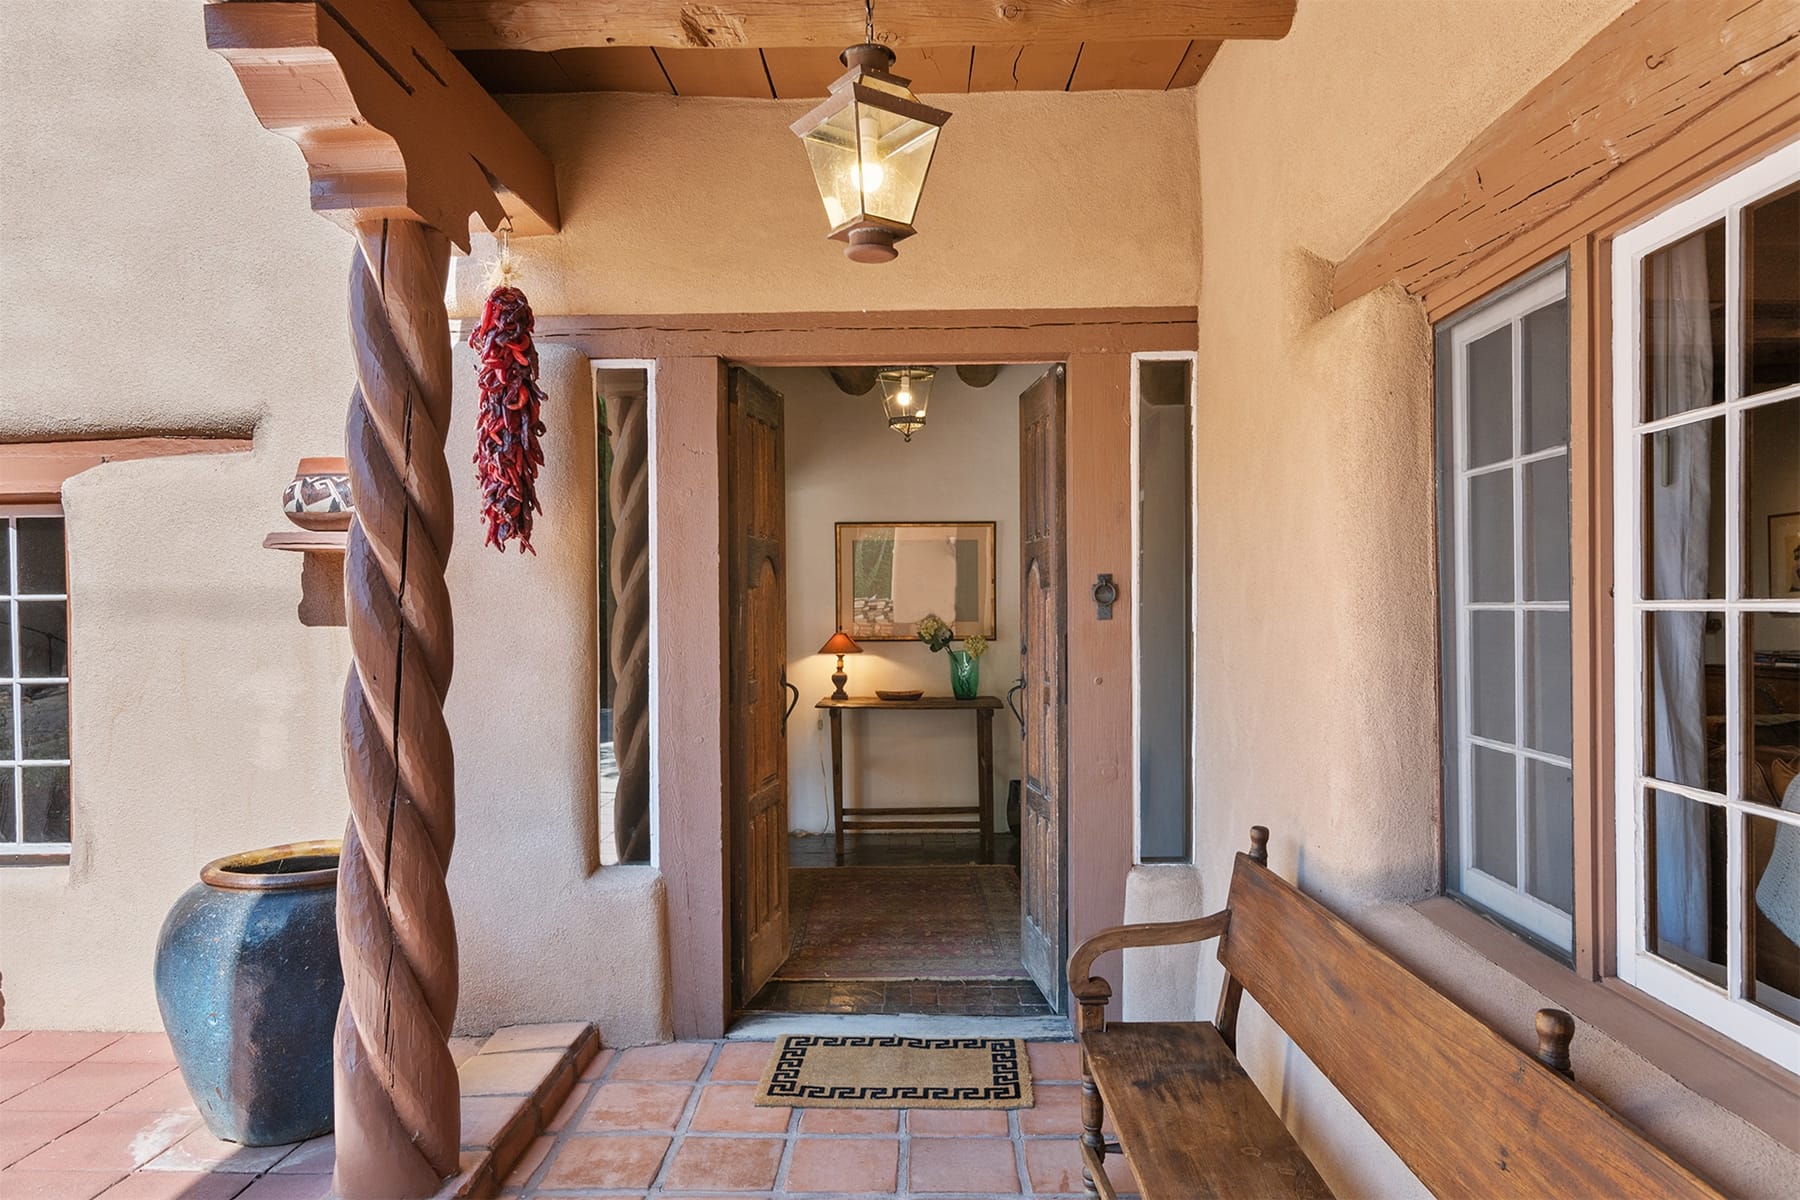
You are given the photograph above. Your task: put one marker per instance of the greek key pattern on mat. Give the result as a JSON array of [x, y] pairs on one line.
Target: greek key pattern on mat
[[1003, 1056]]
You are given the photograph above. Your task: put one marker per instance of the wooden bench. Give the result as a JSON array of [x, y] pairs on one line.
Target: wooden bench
[[1468, 1112]]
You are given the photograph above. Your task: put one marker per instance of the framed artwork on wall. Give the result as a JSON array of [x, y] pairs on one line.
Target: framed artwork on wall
[[892, 574], [1784, 555]]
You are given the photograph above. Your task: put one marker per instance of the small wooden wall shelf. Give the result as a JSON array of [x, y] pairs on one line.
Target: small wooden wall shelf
[[326, 541]]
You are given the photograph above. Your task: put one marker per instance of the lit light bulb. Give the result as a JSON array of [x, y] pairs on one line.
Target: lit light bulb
[[904, 399], [867, 178]]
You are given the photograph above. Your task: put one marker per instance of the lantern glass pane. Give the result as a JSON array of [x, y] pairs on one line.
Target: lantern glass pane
[[831, 147], [901, 149]]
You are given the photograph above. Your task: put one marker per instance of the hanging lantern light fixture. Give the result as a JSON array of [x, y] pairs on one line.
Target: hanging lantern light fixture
[[870, 145], [905, 394]]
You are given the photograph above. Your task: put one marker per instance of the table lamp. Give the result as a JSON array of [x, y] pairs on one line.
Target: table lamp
[[840, 645]]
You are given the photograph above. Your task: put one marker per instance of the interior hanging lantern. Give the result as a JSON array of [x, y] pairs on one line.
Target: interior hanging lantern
[[870, 145], [905, 394]]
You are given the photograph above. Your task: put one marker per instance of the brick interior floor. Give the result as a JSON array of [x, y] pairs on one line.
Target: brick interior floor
[[97, 1114]]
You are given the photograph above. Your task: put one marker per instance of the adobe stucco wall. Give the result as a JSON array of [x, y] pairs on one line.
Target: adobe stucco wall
[[167, 276], [1316, 667]]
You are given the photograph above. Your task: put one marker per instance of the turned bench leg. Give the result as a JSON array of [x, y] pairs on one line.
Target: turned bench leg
[[1093, 1110]]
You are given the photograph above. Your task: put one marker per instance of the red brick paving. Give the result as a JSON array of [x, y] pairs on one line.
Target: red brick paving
[[85, 1115]]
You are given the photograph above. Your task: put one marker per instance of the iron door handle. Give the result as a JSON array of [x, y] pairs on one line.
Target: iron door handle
[[794, 698], [1018, 716]]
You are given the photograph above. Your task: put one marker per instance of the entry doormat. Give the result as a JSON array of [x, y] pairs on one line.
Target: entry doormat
[[890, 923], [852, 1071]]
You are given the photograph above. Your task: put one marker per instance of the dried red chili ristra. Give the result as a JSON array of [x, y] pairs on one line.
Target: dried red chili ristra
[[507, 428]]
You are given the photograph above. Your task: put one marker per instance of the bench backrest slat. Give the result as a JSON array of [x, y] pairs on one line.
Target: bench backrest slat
[[1470, 1113]]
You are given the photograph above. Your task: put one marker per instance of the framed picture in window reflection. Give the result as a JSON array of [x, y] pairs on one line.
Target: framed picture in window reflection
[[1784, 556]]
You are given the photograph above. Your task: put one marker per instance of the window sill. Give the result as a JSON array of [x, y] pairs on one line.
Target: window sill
[[1700, 1059], [57, 858]]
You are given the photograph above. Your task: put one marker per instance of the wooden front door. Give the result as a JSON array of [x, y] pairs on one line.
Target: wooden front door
[[1043, 597], [757, 608]]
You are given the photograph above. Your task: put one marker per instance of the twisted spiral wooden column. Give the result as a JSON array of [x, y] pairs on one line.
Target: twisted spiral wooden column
[[629, 570], [397, 1103]]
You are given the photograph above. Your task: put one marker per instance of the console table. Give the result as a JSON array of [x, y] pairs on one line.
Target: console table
[[957, 818]]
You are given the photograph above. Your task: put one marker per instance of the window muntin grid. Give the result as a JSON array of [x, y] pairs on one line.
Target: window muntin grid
[[24, 680], [1724, 995], [1499, 739]]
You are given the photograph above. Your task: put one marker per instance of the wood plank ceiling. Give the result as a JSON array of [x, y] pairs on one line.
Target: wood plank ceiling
[[797, 72], [788, 49]]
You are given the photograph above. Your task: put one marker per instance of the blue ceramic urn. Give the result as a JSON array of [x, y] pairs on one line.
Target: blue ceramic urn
[[248, 980]]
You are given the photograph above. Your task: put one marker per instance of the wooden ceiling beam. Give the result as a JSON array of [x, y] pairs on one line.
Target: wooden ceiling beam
[[390, 123], [562, 24]]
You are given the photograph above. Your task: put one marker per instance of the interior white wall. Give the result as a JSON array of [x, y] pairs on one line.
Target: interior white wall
[[844, 464]]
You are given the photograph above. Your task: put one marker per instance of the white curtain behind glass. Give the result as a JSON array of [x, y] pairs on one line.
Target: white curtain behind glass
[[1681, 511]]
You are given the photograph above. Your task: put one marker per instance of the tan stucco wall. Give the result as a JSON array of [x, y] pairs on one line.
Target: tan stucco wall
[[1036, 200], [1316, 666]]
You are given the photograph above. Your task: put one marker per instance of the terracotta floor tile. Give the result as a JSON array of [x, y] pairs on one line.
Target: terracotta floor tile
[[167, 1094], [605, 1162], [731, 1108], [1053, 1062], [849, 1120], [177, 1185], [598, 1066], [56, 1045], [56, 1185], [462, 1049], [721, 1163], [744, 1061], [15, 1077], [1057, 1110], [24, 1131], [9, 1036], [137, 1048], [957, 1122], [534, 1037], [201, 1151], [963, 1165], [1054, 1165], [484, 1117], [858, 1165], [288, 1187], [529, 1161], [515, 1074], [636, 1106], [316, 1157], [112, 1142], [90, 1086], [671, 1061]]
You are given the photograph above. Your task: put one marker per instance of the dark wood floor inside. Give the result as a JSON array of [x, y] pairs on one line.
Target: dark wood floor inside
[[840, 942]]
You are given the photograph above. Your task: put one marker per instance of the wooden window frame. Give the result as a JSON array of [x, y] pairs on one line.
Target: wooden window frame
[[19, 852]]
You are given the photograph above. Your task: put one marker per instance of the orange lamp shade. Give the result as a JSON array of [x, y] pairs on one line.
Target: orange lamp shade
[[840, 643]]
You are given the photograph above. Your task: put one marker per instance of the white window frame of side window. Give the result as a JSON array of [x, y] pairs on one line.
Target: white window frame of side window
[[1513, 903], [1192, 359], [1726, 1009], [12, 793], [653, 697]]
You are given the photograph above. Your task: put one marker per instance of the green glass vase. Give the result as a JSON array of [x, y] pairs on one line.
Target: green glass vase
[[965, 675]]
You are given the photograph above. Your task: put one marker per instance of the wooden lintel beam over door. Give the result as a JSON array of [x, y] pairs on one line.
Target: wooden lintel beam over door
[[1670, 93], [563, 24], [391, 124]]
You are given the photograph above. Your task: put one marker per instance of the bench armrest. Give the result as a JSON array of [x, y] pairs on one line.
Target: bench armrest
[[1131, 937]]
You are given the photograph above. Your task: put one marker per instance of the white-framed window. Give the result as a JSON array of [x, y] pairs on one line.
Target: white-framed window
[[1504, 567], [34, 684], [1706, 415]]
